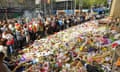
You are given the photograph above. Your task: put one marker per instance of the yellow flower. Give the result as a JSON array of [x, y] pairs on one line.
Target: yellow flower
[[81, 48], [104, 49]]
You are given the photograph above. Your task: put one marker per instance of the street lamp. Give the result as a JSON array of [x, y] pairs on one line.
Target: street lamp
[[74, 7], [80, 5]]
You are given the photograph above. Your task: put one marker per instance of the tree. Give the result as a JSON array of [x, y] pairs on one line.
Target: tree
[[89, 3]]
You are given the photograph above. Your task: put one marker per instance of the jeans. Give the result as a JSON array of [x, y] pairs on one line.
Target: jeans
[[10, 50]]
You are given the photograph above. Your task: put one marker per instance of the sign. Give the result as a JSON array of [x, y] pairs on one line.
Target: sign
[[14, 10], [3, 10], [37, 2], [69, 12], [10, 10]]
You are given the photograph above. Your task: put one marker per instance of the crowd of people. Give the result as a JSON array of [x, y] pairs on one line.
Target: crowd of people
[[16, 33], [90, 52]]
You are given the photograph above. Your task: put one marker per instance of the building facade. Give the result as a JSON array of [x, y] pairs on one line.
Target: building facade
[[17, 3]]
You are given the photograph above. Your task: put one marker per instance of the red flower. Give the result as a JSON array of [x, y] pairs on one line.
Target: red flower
[[114, 45]]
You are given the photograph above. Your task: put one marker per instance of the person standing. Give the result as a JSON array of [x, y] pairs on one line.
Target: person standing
[[19, 37], [26, 34], [3, 67]]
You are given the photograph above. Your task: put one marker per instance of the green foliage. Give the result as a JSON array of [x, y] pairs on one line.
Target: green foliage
[[89, 3]]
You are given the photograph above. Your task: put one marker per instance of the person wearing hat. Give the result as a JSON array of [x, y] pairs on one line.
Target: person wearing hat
[[3, 67]]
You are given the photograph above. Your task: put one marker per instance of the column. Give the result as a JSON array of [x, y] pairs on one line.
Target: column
[[115, 8]]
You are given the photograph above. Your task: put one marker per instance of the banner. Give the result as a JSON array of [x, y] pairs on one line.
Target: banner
[[37, 2]]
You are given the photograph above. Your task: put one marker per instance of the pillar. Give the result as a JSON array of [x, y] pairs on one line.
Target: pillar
[[115, 8]]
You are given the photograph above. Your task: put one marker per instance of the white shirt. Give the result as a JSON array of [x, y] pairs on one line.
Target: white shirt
[[3, 49], [4, 35], [9, 36]]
